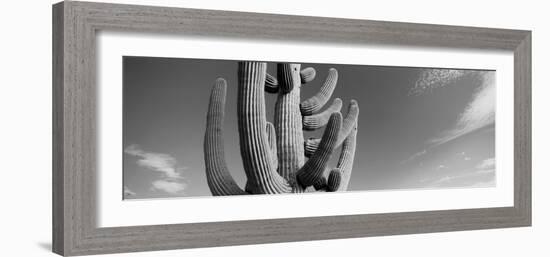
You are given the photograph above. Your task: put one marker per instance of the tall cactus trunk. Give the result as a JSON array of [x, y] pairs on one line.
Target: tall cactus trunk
[[274, 155], [255, 150], [288, 122]]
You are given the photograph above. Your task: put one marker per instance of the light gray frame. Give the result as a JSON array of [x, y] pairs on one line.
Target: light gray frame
[[74, 115]]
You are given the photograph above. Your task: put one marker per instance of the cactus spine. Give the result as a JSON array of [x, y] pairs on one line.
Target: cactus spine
[[274, 155]]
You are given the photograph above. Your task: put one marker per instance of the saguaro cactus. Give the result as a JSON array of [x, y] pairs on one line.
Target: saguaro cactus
[[274, 155]]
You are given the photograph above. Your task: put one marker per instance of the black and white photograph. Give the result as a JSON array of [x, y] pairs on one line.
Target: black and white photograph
[[275, 128], [206, 127]]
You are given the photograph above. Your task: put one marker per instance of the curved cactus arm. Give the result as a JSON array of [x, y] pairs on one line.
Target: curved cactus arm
[[271, 84], [314, 168], [288, 122], [334, 181], [218, 177], [345, 162], [311, 145], [307, 75], [272, 138], [255, 150], [321, 184], [319, 120], [316, 102], [350, 122]]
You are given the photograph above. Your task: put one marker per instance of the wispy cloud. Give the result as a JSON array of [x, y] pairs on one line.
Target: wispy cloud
[[479, 113], [159, 162], [171, 180], [415, 156], [463, 180], [128, 192], [430, 79], [442, 180], [482, 175], [171, 187], [486, 166]]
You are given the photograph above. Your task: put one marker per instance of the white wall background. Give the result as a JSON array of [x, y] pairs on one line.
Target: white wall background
[[25, 131]]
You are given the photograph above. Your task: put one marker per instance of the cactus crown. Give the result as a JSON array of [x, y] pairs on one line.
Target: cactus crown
[[274, 155]]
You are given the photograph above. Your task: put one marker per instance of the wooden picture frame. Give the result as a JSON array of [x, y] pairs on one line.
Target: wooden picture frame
[[75, 25]]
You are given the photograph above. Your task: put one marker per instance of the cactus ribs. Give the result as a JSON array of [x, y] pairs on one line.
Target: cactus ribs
[[274, 155]]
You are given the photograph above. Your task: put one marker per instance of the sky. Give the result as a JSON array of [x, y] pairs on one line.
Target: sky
[[418, 128]]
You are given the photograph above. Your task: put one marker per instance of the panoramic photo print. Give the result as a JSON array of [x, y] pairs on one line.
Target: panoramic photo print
[[204, 127]]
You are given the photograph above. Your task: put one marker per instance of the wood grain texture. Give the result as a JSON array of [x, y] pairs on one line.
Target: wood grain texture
[[522, 128], [74, 124], [58, 229]]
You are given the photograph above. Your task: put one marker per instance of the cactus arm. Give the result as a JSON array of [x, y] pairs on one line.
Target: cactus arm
[[288, 76], [350, 122], [288, 122], [319, 120], [218, 177], [272, 138], [316, 102], [262, 177], [345, 162], [321, 184], [307, 75], [314, 168], [311, 145], [334, 181], [271, 84]]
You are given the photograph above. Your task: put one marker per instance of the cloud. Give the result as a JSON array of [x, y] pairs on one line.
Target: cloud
[[442, 180], [415, 156], [171, 187], [420, 154], [128, 192], [479, 113], [481, 175], [486, 166], [440, 167], [472, 179], [171, 180], [164, 163], [431, 79]]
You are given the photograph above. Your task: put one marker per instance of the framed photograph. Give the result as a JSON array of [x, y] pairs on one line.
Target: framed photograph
[[183, 128]]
